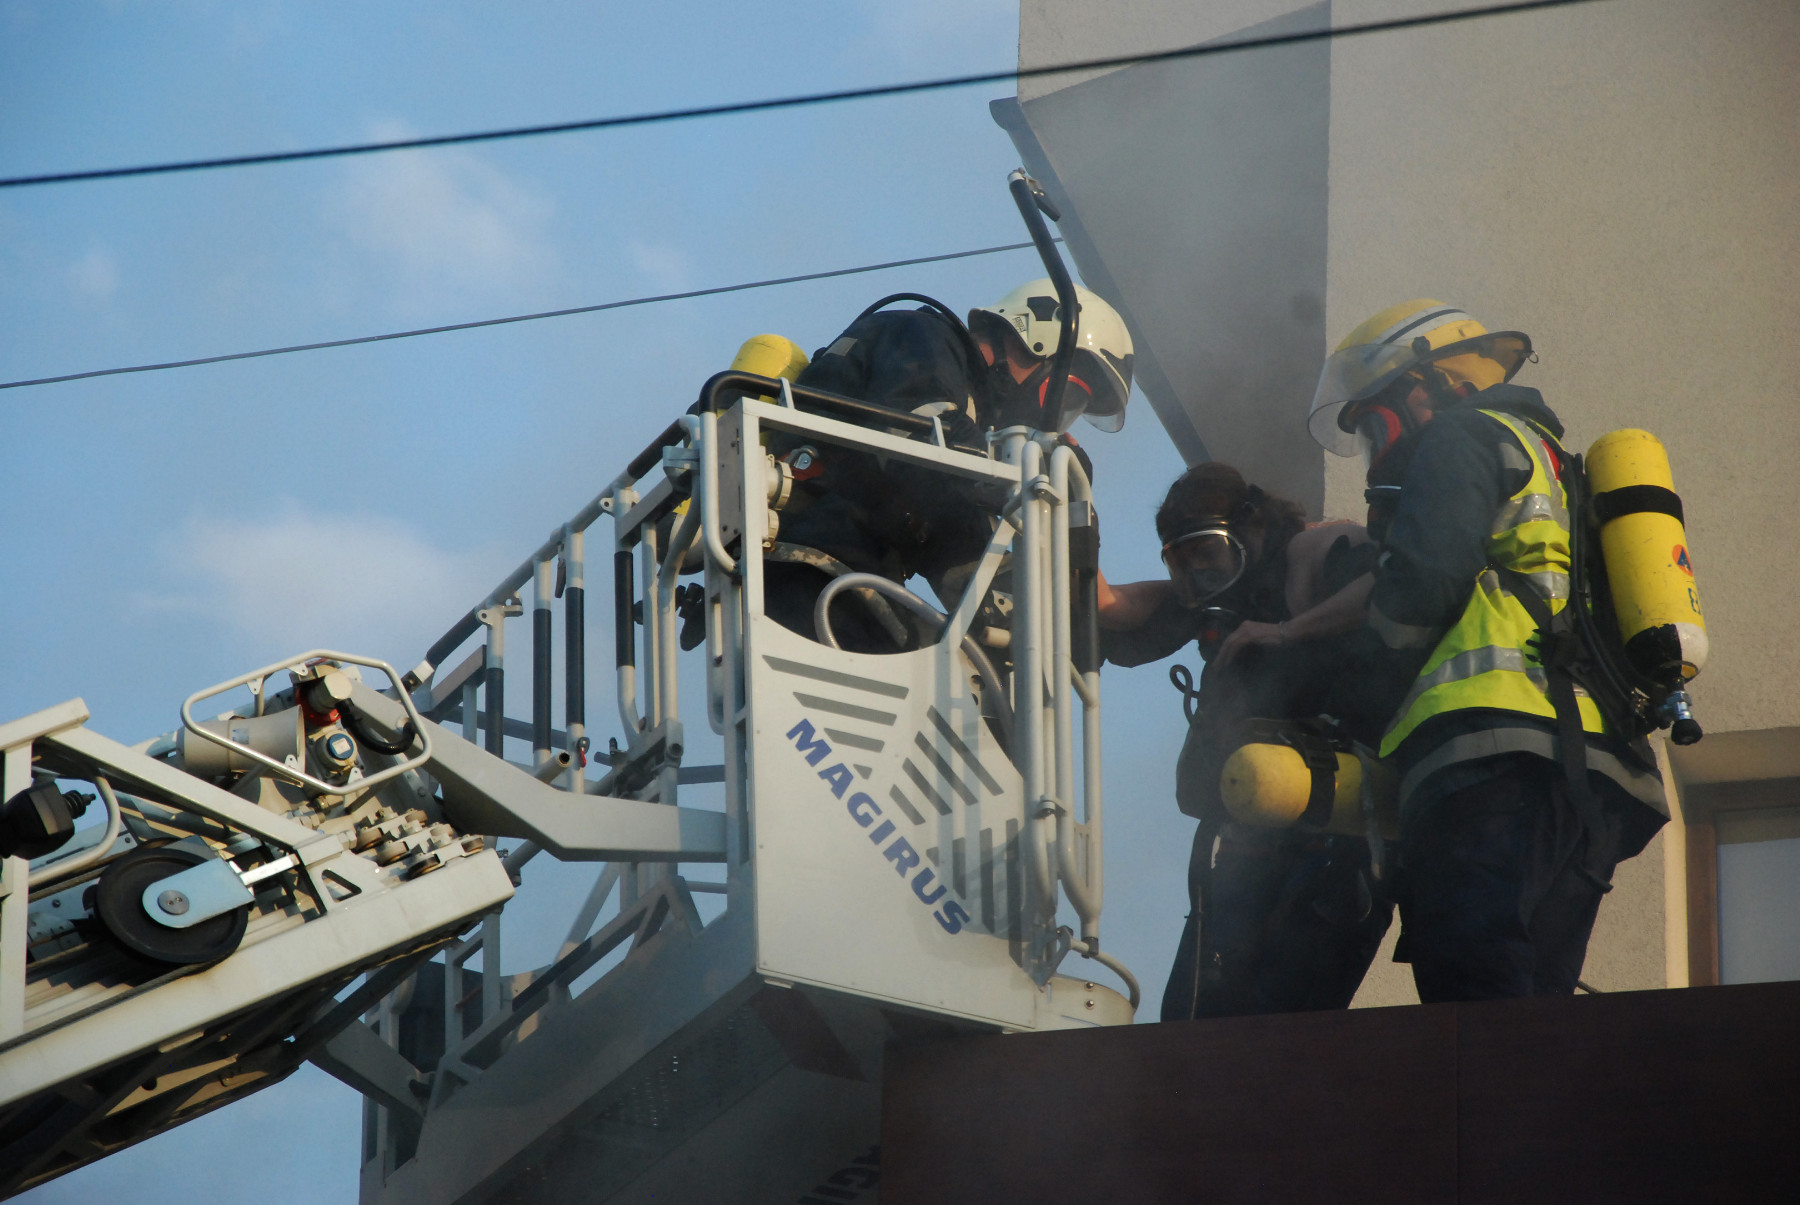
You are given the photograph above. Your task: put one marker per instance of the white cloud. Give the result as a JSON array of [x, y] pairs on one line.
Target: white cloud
[[302, 579], [95, 275], [666, 267], [437, 227]]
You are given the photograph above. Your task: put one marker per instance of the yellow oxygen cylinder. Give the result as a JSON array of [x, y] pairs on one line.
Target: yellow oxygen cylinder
[[1644, 544], [770, 356], [766, 356], [1270, 785]]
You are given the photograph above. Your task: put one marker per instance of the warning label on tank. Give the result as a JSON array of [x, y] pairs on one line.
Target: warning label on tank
[[1682, 563]]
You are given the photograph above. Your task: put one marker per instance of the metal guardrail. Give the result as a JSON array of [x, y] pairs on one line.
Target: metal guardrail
[[1047, 528]]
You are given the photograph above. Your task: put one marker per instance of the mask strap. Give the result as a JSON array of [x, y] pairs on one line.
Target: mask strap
[[1210, 525]]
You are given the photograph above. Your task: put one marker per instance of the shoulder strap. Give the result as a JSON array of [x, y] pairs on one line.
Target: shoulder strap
[[1557, 648]]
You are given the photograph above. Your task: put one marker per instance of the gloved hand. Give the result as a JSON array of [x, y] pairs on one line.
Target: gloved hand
[[690, 604]]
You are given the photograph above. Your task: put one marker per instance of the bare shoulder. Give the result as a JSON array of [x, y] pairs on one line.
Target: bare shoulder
[[1308, 553], [1312, 543]]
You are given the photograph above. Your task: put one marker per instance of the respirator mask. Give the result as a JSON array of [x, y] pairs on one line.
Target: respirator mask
[[1204, 563]]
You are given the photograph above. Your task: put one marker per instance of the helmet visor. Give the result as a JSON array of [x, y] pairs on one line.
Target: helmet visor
[[1094, 390], [1351, 374], [1203, 564], [1106, 380], [1355, 373]]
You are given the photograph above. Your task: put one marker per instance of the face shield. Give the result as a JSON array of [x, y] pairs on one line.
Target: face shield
[[1094, 391], [1098, 388], [1357, 373], [1204, 563], [1350, 375], [1101, 380]]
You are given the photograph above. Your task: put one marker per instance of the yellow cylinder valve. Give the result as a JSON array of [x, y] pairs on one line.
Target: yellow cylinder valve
[[1649, 571], [1271, 785]]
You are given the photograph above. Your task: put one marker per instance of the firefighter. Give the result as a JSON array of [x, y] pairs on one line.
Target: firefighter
[[1279, 920], [1509, 832], [854, 513]]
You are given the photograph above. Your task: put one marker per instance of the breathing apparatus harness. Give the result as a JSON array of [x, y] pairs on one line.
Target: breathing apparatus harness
[[1579, 647]]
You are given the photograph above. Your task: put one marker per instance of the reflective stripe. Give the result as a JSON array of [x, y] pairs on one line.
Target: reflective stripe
[[1514, 457], [1550, 583], [1412, 322], [1530, 508], [1397, 635], [1643, 785], [1492, 659], [1481, 663]]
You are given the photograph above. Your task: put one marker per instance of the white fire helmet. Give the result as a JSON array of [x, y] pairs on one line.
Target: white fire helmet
[[1029, 318]]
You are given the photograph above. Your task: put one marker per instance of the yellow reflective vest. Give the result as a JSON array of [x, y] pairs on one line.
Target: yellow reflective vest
[[1489, 659]]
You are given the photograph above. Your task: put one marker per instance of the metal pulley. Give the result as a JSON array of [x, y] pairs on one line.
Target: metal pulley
[[152, 924]]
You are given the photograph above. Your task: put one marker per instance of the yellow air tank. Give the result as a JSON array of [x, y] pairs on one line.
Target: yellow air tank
[[1644, 544], [1268, 785], [770, 356]]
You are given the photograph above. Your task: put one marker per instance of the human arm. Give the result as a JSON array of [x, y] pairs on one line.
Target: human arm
[[1321, 602], [1343, 612], [1437, 543], [1129, 605], [1160, 634]]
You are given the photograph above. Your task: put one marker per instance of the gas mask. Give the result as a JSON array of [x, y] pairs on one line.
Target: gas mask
[[1379, 426], [1092, 391], [1204, 563]]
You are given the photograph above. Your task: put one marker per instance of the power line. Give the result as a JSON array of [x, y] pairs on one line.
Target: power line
[[789, 102], [467, 326]]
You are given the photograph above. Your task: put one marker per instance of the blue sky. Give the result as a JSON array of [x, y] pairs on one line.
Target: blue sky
[[166, 531]]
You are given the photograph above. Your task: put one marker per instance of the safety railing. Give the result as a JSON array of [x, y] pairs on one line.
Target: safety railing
[[1057, 661], [674, 525]]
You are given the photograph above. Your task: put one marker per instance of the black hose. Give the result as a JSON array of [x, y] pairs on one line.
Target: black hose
[[1033, 205], [1617, 682], [977, 361]]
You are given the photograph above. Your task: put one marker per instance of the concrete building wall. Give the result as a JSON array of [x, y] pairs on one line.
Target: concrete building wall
[[1197, 203], [1619, 180]]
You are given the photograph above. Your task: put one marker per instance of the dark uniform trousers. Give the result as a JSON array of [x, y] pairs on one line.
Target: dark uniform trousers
[[1289, 923], [1496, 899]]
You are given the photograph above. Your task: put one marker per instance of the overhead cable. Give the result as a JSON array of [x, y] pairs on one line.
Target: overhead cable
[[791, 102], [468, 326]]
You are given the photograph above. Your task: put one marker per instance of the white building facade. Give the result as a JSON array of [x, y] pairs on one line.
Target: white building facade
[[1619, 180]]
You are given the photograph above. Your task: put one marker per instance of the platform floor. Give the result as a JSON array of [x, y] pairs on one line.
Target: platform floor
[[1686, 1095]]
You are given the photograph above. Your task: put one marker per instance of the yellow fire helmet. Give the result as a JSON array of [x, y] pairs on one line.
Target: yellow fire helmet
[[1100, 374], [1403, 339]]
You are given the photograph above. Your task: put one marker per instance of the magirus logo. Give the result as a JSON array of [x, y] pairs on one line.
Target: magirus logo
[[863, 809]]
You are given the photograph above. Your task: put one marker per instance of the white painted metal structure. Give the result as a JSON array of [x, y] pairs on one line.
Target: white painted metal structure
[[101, 1047], [894, 862]]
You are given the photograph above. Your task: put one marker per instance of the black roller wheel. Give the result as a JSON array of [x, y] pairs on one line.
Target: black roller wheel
[[120, 903]]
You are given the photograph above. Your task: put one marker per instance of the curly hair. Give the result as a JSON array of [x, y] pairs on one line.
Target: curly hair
[[1218, 491]]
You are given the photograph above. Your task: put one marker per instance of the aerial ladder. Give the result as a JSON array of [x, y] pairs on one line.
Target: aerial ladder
[[901, 845]]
